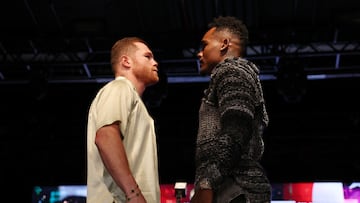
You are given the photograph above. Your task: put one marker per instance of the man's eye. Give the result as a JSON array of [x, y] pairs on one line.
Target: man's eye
[[201, 47]]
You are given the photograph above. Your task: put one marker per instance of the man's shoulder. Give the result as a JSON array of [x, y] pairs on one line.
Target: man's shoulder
[[117, 87], [119, 83], [236, 65]]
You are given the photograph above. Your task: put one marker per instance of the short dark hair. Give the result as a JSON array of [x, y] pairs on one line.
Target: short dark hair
[[233, 25]]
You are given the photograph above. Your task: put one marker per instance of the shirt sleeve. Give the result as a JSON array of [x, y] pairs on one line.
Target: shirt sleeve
[[114, 104]]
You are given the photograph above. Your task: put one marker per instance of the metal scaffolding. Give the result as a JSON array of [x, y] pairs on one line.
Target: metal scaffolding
[[87, 60]]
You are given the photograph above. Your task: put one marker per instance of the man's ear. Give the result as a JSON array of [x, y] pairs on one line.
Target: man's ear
[[225, 44], [125, 61]]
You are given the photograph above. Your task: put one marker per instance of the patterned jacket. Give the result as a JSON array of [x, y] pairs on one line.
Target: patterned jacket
[[232, 117]]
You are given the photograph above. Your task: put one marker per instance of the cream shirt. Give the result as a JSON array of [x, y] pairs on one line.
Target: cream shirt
[[119, 101]]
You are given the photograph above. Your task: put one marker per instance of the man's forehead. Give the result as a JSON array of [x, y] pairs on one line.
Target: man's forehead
[[208, 34], [139, 44]]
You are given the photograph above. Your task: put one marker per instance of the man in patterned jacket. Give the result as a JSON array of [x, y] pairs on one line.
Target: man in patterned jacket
[[232, 118]]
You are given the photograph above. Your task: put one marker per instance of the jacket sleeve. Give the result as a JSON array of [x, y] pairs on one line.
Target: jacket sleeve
[[235, 91]]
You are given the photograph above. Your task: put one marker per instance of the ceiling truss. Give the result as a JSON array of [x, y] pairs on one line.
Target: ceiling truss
[[87, 60]]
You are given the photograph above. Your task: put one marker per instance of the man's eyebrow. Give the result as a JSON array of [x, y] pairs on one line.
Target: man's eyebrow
[[150, 53]]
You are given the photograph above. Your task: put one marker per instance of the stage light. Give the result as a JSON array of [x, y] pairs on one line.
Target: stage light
[[180, 190]]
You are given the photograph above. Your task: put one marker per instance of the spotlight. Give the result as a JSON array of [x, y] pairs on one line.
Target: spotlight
[[180, 190]]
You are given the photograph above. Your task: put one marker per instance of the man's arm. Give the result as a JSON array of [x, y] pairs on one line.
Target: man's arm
[[203, 196], [111, 149]]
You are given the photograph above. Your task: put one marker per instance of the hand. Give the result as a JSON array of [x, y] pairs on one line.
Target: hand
[[202, 196]]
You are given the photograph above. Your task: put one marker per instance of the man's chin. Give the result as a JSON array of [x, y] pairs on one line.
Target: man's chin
[[203, 72], [153, 82]]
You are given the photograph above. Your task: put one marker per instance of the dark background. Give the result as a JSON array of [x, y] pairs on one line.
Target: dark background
[[54, 57]]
